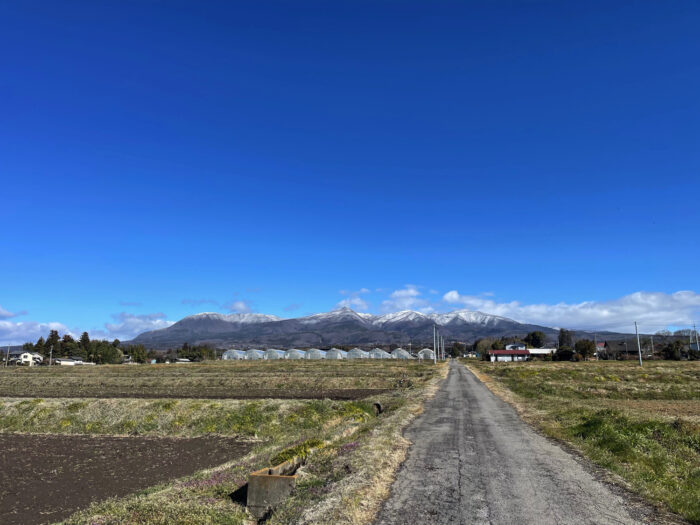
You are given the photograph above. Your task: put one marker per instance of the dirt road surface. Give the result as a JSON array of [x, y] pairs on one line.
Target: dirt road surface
[[474, 461]]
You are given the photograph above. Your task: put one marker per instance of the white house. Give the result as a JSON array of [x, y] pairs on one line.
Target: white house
[[508, 355]]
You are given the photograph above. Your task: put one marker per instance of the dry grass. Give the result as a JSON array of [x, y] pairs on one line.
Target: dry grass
[[276, 378], [368, 472], [640, 423]]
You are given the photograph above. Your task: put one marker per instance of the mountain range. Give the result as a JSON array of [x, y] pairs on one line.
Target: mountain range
[[343, 326]]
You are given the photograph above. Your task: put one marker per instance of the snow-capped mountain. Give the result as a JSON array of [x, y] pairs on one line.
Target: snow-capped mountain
[[341, 326], [235, 318]]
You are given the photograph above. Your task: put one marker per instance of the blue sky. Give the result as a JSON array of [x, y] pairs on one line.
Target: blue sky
[[163, 158]]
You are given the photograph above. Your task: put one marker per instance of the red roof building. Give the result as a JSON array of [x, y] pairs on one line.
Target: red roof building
[[509, 355]]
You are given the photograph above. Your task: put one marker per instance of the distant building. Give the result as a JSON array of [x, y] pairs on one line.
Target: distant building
[[516, 346], [509, 355], [541, 352]]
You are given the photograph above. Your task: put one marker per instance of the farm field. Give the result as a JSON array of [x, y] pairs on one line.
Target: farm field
[[298, 379], [46, 478], [76, 438], [641, 423]]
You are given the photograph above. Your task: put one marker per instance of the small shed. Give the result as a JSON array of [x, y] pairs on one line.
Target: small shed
[[358, 353], [294, 353], [400, 353]]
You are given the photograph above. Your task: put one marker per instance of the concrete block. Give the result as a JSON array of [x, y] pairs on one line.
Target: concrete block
[[270, 486]]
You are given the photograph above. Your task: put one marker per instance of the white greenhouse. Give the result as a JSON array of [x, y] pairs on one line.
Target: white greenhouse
[[254, 354], [294, 353], [426, 353], [400, 353], [233, 354], [336, 353], [315, 353], [273, 353], [378, 353], [357, 353]]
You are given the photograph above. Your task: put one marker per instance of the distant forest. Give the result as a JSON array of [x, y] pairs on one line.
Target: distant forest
[[111, 352]]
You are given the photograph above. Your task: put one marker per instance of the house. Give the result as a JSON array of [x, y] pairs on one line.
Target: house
[[541, 352], [508, 355], [516, 346]]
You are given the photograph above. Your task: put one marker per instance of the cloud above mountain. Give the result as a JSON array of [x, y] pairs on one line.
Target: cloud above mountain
[[128, 325], [407, 298], [354, 300], [652, 310]]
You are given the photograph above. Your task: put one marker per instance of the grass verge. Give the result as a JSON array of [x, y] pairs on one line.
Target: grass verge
[[639, 423]]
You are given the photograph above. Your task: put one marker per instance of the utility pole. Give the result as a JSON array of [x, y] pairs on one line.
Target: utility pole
[[639, 347], [51, 356], [7, 356], [697, 347], [434, 347], [652, 345]]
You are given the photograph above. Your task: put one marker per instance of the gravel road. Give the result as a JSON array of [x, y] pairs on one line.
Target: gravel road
[[474, 461]]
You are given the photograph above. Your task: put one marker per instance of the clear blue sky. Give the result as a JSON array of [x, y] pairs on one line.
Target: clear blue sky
[[155, 155]]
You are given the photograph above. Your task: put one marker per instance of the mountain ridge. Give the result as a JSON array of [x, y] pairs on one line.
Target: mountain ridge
[[339, 326]]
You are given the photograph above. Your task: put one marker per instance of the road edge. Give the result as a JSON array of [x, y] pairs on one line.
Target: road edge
[[618, 485]]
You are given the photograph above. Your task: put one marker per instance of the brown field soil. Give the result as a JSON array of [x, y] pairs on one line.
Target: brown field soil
[[46, 478]]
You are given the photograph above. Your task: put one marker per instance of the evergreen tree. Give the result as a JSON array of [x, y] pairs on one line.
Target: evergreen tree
[[536, 339], [40, 346], [53, 341], [85, 341], [565, 339]]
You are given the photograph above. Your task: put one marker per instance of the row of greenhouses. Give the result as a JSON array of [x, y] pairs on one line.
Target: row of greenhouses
[[333, 353]]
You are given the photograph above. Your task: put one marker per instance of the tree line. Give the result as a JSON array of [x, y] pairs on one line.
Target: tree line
[[101, 351]]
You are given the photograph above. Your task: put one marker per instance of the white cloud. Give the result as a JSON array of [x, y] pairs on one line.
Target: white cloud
[[129, 325], [652, 310], [353, 299], [17, 333], [239, 307], [6, 314], [355, 302], [407, 298]]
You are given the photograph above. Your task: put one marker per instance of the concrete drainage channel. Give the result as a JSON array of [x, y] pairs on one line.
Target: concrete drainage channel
[[268, 487]]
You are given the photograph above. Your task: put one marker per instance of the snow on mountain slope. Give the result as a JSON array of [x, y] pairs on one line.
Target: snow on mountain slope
[[236, 318], [340, 314], [467, 316], [404, 316], [345, 313]]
